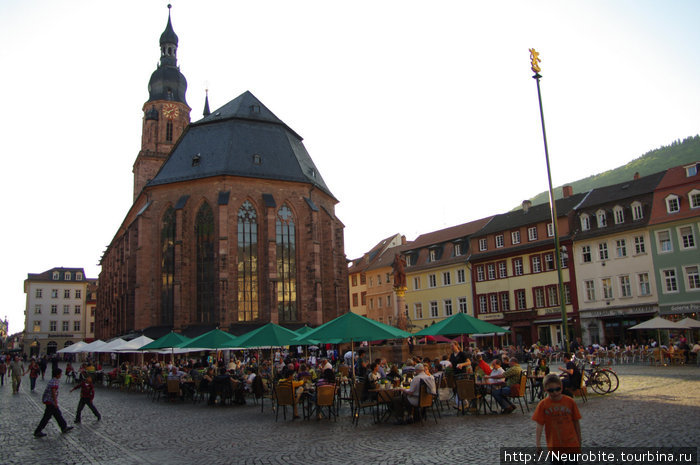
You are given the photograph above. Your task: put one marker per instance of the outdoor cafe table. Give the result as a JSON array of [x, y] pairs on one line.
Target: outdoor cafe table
[[385, 397], [484, 388]]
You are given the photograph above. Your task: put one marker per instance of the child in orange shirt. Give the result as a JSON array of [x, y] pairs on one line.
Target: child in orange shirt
[[559, 416]]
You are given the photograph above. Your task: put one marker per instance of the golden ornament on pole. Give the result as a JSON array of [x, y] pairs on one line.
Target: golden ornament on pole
[[534, 60]]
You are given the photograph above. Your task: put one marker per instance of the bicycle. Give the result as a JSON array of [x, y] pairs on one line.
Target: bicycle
[[602, 380]]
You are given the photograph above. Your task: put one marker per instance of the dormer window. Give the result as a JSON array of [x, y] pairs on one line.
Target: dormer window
[[673, 204], [619, 214], [196, 159], [637, 212], [691, 170], [56, 276], [694, 198], [602, 218], [585, 222], [434, 254], [483, 245], [78, 276], [67, 276], [458, 249]]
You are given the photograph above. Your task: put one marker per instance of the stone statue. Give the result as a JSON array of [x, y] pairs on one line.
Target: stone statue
[[399, 266]]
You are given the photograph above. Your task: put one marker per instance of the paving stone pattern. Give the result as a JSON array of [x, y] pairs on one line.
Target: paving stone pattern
[[654, 406]]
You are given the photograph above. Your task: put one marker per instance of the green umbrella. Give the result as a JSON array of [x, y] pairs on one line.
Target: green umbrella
[[213, 340], [304, 330], [352, 327], [169, 341], [270, 335], [460, 323]]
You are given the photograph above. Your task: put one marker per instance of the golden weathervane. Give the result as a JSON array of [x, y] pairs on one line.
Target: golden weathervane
[[534, 60]]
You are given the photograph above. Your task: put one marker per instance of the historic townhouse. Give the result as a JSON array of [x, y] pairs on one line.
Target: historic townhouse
[[675, 226], [613, 259], [55, 313], [371, 283], [514, 274], [437, 276]]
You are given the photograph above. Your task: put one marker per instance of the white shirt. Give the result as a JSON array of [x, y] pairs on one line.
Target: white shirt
[[495, 372]]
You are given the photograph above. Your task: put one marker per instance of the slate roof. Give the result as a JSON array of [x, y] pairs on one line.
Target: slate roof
[[242, 138], [535, 214], [48, 275], [623, 190]]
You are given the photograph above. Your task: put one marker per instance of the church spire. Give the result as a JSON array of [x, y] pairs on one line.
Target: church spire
[[167, 82], [206, 111]]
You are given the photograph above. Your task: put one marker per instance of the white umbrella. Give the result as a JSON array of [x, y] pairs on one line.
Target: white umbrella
[[73, 348], [658, 324], [134, 345], [92, 347], [111, 346], [690, 323]]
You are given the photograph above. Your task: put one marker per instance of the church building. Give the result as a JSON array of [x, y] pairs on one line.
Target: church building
[[232, 226]]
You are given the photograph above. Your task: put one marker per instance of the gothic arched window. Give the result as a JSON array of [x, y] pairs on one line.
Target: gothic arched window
[[169, 131], [167, 266], [206, 279], [247, 263], [286, 265]]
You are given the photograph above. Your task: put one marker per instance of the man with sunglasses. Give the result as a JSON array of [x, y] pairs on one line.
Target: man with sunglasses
[[559, 416]]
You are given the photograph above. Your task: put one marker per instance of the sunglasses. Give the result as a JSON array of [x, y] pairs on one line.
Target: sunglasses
[[553, 390]]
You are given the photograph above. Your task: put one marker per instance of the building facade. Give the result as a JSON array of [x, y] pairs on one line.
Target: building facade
[[55, 312], [437, 274], [615, 275], [232, 225], [674, 233], [515, 282]]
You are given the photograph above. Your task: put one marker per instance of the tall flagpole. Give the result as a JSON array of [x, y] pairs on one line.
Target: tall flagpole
[[534, 65]]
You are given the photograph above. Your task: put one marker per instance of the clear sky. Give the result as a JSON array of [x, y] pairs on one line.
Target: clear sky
[[419, 115]]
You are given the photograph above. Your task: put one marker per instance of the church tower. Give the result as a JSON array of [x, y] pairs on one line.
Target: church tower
[[165, 114]]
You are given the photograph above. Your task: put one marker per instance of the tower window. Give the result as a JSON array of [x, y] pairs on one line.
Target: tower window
[[195, 160], [257, 159], [169, 131]]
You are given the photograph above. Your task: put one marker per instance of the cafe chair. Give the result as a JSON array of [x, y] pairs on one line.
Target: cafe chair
[[517, 391], [325, 398], [284, 397], [426, 401], [358, 404], [173, 389], [467, 393]]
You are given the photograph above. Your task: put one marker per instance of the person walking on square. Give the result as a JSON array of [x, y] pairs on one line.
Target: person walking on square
[[43, 364], [559, 416], [16, 372], [50, 400], [87, 394], [33, 370]]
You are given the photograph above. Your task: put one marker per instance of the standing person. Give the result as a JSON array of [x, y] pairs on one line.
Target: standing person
[[16, 371], [33, 370], [87, 393], [458, 359], [559, 416], [572, 376], [3, 370], [42, 366], [50, 399]]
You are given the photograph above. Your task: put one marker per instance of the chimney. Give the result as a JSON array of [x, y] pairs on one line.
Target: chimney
[[526, 205], [567, 191], [403, 240], [636, 175]]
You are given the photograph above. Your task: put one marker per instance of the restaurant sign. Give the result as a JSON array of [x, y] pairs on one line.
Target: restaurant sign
[[681, 308], [618, 311]]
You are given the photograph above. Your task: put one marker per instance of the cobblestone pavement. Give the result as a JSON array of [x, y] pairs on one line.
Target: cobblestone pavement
[[654, 406]]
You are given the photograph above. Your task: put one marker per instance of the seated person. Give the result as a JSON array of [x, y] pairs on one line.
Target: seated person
[[411, 396], [571, 376], [328, 377], [394, 376], [512, 377], [297, 389], [249, 379]]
